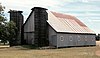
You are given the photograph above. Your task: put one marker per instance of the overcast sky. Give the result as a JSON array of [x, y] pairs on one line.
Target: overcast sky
[[88, 11]]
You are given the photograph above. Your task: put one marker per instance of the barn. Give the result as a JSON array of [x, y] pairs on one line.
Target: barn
[[44, 27]]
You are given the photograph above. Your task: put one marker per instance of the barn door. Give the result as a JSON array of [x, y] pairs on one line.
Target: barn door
[[54, 40], [86, 40], [79, 40], [71, 40]]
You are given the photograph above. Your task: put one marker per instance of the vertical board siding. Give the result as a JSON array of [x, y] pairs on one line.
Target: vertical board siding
[[54, 40], [62, 42], [29, 29], [52, 37], [29, 37], [75, 40], [29, 26]]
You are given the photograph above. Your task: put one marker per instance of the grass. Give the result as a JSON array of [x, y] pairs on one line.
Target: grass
[[74, 52]]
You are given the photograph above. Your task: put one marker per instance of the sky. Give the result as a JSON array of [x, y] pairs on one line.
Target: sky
[[88, 11]]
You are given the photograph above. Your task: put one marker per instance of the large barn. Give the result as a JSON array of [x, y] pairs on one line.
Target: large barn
[[44, 27]]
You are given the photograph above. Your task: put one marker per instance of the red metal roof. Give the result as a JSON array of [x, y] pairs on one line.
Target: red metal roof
[[67, 23], [65, 16]]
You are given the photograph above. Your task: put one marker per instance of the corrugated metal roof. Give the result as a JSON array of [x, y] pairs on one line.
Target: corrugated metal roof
[[66, 23]]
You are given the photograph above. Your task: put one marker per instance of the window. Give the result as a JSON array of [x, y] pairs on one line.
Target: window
[[61, 38], [78, 38], [85, 39], [71, 38], [93, 38], [85, 36]]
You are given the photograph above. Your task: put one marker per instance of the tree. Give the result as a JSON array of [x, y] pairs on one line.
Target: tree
[[2, 18], [11, 32], [3, 33], [7, 29], [2, 23]]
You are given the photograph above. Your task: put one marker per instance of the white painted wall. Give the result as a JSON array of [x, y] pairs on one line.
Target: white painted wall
[[29, 26], [29, 30], [29, 37], [52, 37]]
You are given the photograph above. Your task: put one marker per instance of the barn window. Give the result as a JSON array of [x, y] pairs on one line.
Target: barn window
[[85, 39], [71, 38], [85, 36], [93, 38], [61, 38], [78, 38]]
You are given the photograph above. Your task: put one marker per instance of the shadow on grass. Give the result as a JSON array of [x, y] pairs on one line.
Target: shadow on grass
[[29, 46], [33, 47], [37, 48]]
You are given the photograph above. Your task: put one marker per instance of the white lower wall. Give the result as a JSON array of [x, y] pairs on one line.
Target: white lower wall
[[75, 40], [29, 37]]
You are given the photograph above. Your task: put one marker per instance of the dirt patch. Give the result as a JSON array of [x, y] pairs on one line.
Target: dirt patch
[[98, 53], [98, 43]]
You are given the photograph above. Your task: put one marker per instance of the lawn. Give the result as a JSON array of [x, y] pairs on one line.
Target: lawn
[[73, 52]]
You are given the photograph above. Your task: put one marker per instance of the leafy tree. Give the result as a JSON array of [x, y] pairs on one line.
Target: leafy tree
[[7, 29], [2, 23], [2, 33], [10, 33], [2, 18]]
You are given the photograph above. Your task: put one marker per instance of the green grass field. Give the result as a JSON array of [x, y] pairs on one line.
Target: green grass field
[[74, 52]]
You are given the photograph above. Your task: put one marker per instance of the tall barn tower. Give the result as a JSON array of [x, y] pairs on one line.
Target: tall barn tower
[[17, 18], [36, 27], [41, 31]]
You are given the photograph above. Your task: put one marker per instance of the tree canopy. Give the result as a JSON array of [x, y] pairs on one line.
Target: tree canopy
[[2, 18], [2, 22], [7, 29]]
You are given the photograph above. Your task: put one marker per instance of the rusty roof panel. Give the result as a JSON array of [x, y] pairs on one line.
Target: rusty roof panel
[[67, 23]]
